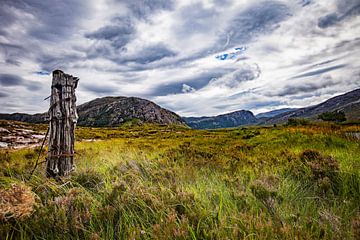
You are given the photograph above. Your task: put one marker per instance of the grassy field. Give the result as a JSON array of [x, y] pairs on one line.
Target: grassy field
[[159, 182]]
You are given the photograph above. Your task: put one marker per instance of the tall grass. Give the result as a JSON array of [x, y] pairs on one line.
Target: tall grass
[[158, 182]]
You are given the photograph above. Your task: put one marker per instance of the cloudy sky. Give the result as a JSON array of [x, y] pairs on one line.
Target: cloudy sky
[[195, 57]]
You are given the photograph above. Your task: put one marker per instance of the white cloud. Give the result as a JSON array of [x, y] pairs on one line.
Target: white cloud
[[167, 52]]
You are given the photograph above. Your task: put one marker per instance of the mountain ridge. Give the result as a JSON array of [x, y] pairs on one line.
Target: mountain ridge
[[348, 102], [115, 111]]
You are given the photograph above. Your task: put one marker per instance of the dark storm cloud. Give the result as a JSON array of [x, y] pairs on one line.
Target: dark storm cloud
[[112, 39], [334, 18], [325, 62], [245, 72], [58, 19], [12, 53], [319, 71], [306, 87], [197, 81], [328, 20], [150, 54], [11, 80], [3, 95], [196, 19], [259, 18], [249, 105], [142, 8], [99, 89], [115, 36], [48, 62]]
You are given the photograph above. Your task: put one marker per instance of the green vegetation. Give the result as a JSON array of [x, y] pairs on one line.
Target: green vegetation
[[337, 116], [297, 122], [161, 182]]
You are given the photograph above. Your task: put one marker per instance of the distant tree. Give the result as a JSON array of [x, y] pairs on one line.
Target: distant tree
[[335, 116]]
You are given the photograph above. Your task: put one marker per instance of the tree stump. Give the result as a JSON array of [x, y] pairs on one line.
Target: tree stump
[[63, 118]]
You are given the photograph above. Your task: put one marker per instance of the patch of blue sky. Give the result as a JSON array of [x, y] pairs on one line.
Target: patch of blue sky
[[231, 55]]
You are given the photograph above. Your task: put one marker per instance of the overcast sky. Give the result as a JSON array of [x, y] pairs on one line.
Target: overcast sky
[[196, 58]]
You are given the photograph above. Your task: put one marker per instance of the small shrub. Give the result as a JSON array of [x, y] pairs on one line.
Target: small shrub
[[323, 170], [16, 202], [75, 207], [297, 122], [90, 179], [265, 189], [173, 227], [320, 166]]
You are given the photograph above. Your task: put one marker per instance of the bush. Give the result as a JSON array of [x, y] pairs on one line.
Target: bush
[[336, 116], [297, 122], [324, 170]]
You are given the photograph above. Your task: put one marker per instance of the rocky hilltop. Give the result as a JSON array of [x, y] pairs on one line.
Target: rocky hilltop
[[114, 111], [111, 111], [233, 119]]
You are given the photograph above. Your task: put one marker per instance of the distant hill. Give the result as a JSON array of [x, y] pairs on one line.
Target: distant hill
[[348, 102], [232, 119], [24, 117], [111, 111], [273, 113]]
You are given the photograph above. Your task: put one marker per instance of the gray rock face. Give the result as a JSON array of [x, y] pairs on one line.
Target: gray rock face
[[111, 111], [233, 119]]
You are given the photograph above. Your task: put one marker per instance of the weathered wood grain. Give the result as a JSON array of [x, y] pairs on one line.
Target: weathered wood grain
[[63, 118]]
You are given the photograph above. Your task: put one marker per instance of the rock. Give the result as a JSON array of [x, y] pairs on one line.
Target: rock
[[4, 130]]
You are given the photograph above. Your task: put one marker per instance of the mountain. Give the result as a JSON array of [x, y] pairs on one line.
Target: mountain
[[273, 113], [24, 117], [232, 119], [114, 111], [111, 111], [348, 102]]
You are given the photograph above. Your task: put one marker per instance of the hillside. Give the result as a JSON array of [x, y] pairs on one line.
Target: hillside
[[348, 102], [274, 113], [232, 119], [110, 111]]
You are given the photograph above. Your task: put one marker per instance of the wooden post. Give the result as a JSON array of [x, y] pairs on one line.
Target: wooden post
[[63, 118]]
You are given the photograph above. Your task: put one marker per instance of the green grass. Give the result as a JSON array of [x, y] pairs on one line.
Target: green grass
[[166, 182]]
